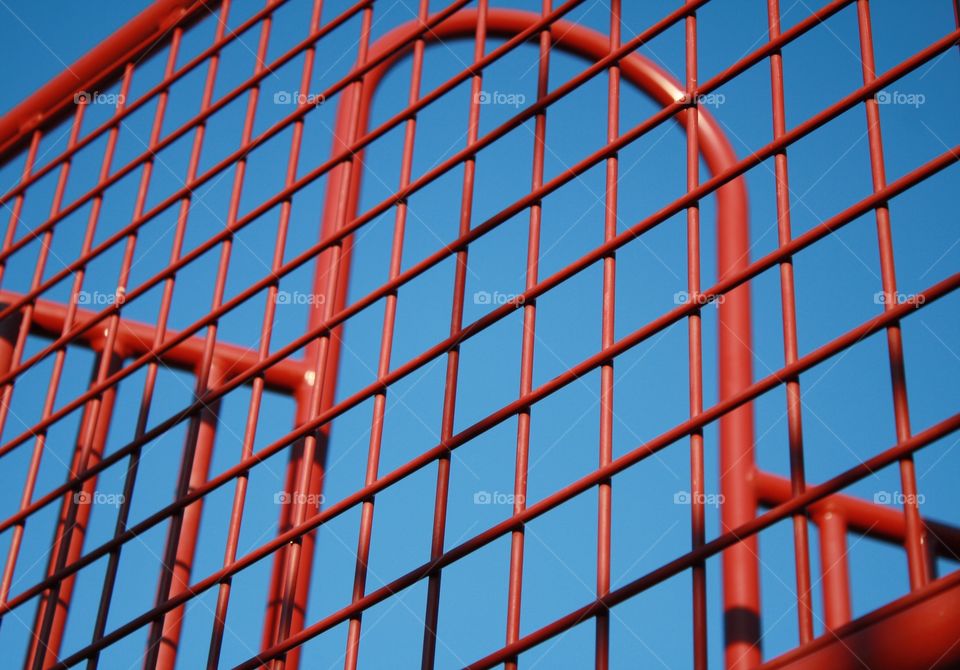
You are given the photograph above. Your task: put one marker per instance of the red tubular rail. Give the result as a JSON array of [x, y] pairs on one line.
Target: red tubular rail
[[56, 97]]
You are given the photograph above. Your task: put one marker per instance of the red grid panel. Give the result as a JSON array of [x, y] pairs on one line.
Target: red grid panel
[[306, 368]]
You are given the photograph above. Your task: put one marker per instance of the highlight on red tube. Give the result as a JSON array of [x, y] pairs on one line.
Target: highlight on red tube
[[480, 334]]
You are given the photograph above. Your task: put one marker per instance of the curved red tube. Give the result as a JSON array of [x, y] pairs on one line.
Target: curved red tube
[[740, 570]]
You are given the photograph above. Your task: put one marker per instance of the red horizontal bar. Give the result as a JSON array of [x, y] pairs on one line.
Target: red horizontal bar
[[134, 338], [877, 521], [124, 45], [130, 107]]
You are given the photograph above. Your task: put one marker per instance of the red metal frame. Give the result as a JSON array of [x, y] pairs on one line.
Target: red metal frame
[[889, 637]]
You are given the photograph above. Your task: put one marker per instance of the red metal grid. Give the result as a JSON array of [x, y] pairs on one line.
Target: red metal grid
[[124, 347]]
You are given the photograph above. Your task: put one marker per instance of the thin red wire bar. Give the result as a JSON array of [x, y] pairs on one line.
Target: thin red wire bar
[[339, 206], [698, 572], [527, 347], [240, 489], [607, 337], [914, 543], [432, 610], [50, 618], [33, 470], [798, 483], [130, 478]]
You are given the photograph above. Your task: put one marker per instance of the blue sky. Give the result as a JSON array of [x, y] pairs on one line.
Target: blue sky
[[847, 406]]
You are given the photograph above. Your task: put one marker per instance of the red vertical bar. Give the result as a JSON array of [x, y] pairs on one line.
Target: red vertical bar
[[290, 576], [386, 346], [184, 527], [17, 207], [607, 336], [256, 393], [9, 327], [740, 563], [110, 574], [206, 434], [453, 356], [695, 348], [834, 568], [26, 319], [75, 510], [915, 541], [801, 543], [51, 615], [161, 645], [10, 347], [12, 340], [515, 587]]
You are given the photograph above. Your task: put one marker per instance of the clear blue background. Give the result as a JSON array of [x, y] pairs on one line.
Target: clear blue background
[[847, 406]]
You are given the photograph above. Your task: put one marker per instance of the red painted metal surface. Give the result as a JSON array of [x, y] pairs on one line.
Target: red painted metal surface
[[916, 631]]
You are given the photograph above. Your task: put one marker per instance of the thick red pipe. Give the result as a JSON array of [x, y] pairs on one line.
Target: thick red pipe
[[834, 568], [916, 632], [206, 434], [134, 38], [880, 522], [75, 512], [135, 338], [741, 577]]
